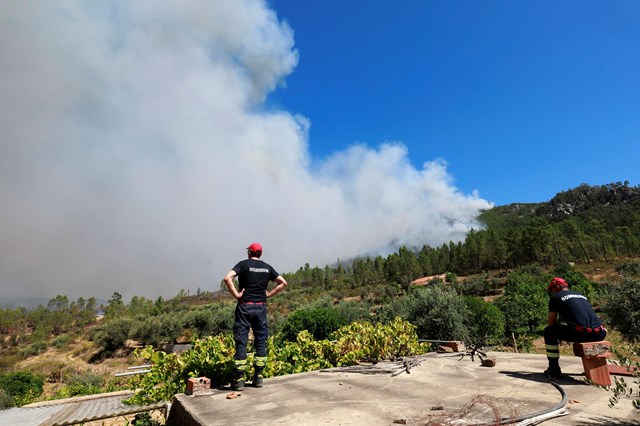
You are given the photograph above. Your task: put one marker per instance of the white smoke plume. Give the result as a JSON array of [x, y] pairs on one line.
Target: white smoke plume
[[137, 156]]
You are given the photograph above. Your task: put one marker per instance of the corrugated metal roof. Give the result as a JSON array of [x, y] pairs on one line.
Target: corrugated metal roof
[[74, 410], [27, 416]]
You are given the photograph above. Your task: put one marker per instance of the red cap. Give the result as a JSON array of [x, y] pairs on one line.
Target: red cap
[[557, 282], [255, 247]]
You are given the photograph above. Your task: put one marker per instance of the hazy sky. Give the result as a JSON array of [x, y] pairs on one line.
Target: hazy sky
[[145, 144]]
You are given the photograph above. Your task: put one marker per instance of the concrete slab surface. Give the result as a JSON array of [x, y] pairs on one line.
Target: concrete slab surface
[[442, 390]]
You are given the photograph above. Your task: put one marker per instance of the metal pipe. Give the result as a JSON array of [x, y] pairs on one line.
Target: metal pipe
[[131, 373]]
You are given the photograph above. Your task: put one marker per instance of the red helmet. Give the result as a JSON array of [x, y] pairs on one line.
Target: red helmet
[[557, 282], [255, 248]]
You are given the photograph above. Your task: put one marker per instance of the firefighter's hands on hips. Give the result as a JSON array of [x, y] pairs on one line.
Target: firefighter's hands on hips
[[240, 293]]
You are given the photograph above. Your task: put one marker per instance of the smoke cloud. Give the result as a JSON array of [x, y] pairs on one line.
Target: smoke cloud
[[137, 155]]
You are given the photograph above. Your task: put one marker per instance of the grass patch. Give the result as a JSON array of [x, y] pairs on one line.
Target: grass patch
[[621, 345], [9, 359]]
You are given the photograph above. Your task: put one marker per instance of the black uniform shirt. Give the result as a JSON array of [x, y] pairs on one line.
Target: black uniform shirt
[[254, 276], [574, 309]]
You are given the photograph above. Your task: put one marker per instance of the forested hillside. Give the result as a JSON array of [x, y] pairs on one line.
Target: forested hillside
[[496, 273]]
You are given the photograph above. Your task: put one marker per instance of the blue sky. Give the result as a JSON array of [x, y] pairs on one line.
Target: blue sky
[[521, 99]]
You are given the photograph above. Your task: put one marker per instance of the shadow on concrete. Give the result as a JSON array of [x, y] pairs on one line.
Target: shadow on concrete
[[567, 380], [225, 388]]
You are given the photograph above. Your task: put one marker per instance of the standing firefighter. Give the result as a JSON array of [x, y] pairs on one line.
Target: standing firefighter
[[251, 312], [571, 319]]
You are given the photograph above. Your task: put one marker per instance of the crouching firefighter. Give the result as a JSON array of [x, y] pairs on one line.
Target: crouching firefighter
[[571, 319], [254, 276]]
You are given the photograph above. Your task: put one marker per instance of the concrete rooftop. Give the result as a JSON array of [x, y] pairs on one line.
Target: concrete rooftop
[[441, 390]]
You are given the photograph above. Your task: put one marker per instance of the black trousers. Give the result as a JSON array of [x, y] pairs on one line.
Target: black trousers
[[254, 317], [553, 334], [567, 333]]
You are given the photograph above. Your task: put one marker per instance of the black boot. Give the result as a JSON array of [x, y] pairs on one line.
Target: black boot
[[238, 384], [257, 378], [241, 367], [553, 372]]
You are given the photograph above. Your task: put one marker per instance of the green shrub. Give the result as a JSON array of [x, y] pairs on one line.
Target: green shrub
[[578, 282], [276, 323], [325, 301], [199, 321], [87, 378], [147, 331], [436, 281], [450, 277], [171, 327], [621, 305], [364, 293], [384, 293], [113, 334], [9, 358], [144, 419], [623, 389], [34, 349], [69, 391], [319, 321], [525, 302], [155, 330], [22, 386], [338, 295], [476, 286], [485, 322], [628, 269], [14, 340], [437, 313], [525, 343], [354, 311], [86, 383], [223, 318], [61, 341], [365, 340], [6, 401]]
